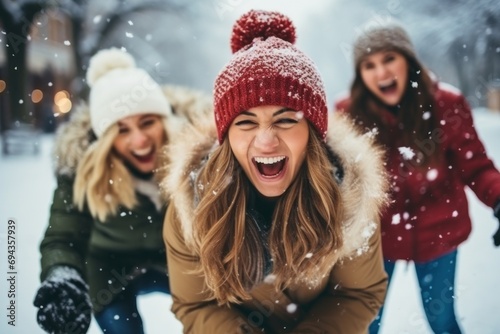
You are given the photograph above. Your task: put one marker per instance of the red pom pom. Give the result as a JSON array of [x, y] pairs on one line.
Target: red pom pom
[[263, 24]]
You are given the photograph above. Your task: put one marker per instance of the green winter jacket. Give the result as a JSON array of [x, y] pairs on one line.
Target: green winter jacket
[[108, 254]]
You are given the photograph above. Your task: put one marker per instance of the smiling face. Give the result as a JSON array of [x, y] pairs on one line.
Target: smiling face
[[385, 74], [139, 140], [270, 143]]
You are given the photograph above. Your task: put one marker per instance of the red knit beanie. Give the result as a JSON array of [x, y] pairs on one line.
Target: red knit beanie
[[267, 69]]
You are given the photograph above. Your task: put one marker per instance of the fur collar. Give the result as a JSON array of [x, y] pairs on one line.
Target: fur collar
[[74, 137], [363, 186]]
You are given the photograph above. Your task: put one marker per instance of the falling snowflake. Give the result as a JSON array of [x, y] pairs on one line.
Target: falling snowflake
[[372, 133], [291, 308], [406, 152], [269, 279], [108, 198], [396, 219], [428, 278], [432, 174]]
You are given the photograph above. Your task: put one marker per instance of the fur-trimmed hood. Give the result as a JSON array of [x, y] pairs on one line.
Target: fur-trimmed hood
[[74, 137], [363, 185]]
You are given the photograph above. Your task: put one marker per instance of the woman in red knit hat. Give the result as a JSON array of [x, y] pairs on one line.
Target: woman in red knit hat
[[273, 223], [433, 152]]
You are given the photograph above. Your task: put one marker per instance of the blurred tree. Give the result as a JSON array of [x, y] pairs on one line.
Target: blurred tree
[[459, 41], [88, 40], [16, 17]]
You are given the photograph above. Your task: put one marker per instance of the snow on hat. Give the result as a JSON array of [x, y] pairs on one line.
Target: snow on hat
[[119, 89], [387, 36], [267, 69]]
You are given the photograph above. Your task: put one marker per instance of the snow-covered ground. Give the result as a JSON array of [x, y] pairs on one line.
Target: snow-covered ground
[[27, 182]]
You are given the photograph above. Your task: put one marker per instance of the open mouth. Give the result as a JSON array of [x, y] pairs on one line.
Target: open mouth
[[388, 87], [144, 155], [270, 166]]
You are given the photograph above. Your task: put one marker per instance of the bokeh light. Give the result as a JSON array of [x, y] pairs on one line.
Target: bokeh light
[[36, 95], [62, 102]]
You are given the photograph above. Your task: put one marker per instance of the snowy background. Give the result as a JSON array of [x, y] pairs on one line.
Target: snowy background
[[27, 183], [325, 29]]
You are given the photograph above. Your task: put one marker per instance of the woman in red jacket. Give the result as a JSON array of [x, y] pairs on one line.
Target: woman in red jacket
[[433, 152]]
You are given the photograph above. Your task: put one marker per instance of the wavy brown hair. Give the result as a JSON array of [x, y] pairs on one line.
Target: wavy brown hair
[[367, 109], [306, 221]]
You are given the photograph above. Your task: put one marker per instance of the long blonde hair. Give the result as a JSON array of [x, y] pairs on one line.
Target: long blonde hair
[[102, 181], [306, 221]]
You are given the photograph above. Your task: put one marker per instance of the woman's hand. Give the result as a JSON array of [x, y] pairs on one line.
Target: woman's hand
[[63, 302]]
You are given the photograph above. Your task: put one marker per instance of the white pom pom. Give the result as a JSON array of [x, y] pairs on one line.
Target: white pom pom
[[107, 60]]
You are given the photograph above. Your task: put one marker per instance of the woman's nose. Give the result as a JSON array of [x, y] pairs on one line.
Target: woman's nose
[[381, 71], [138, 138], [266, 139]]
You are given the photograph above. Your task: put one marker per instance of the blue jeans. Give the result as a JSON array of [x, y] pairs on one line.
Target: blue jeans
[[121, 316], [437, 286]]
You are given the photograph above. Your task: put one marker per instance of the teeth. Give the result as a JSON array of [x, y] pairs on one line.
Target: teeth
[[143, 152], [386, 83], [268, 161]]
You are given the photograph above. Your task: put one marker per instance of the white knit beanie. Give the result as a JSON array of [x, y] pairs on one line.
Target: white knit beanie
[[119, 89]]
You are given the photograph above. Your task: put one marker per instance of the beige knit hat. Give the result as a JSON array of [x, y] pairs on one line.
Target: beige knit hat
[[389, 36], [119, 89]]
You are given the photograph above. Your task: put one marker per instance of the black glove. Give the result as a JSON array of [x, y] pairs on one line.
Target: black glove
[[63, 302], [496, 236]]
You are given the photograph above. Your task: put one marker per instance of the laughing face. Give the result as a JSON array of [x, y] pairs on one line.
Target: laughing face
[[139, 140], [270, 143], [385, 74]]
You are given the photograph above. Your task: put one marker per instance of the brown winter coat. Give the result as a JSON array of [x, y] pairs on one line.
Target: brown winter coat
[[345, 301]]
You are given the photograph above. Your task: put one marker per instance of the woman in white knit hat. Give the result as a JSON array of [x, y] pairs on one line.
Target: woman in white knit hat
[[103, 246], [433, 153]]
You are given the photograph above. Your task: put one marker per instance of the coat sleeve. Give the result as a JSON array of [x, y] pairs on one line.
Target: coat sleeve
[[66, 238], [468, 153], [353, 296], [191, 305]]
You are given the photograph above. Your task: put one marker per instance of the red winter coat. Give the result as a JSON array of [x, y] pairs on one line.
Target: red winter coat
[[429, 216]]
